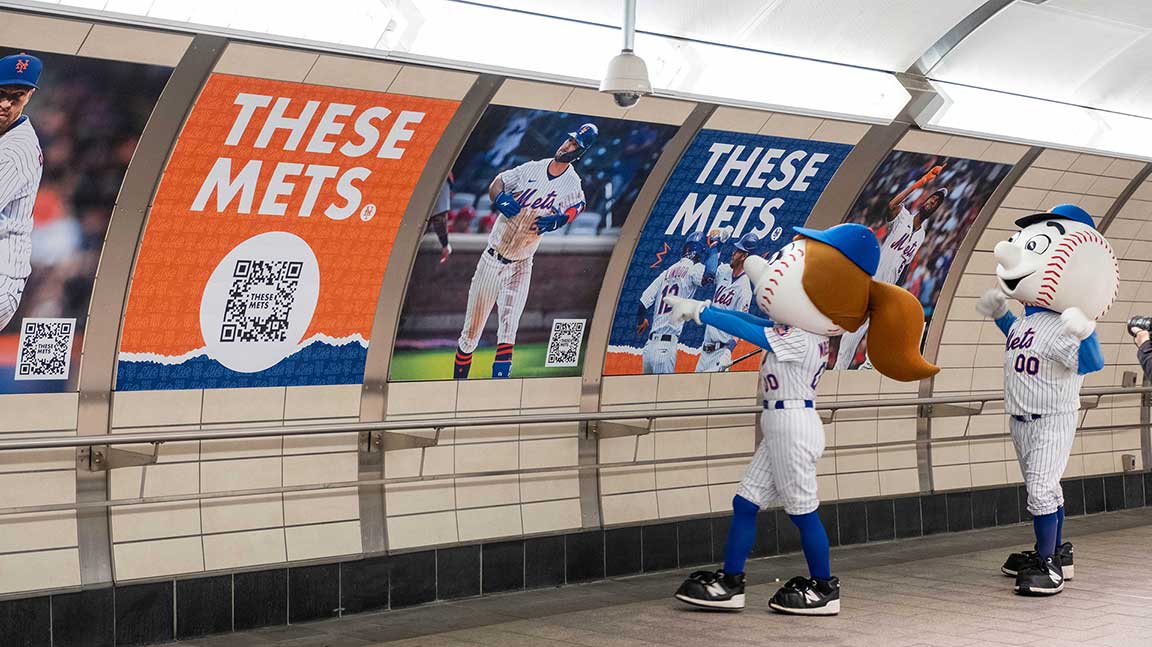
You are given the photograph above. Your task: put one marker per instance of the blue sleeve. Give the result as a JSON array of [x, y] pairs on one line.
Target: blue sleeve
[[1004, 323], [1091, 357], [752, 319], [710, 264], [745, 327]]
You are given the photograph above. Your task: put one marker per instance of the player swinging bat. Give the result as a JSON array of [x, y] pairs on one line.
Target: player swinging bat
[[21, 165], [533, 199]]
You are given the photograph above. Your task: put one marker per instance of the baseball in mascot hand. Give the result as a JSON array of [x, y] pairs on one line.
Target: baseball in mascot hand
[[1059, 261]]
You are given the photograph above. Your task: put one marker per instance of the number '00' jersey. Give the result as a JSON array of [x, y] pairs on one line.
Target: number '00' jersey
[[680, 280], [733, 294], [539, 194], [1040, 366], [792, 369], [21, 165], [900, 247]]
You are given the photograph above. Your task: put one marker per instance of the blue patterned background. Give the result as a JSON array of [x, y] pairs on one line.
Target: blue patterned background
[[794, 212]]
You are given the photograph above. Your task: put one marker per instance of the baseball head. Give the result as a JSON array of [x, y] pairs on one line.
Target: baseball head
[[1058, 261], [779, 289]]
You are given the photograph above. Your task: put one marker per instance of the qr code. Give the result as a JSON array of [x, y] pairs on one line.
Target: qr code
[[45, 349], [260, 301], [564, 343]]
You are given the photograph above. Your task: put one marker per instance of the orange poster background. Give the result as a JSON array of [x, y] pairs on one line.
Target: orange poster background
[[617, 363], [181, 248]]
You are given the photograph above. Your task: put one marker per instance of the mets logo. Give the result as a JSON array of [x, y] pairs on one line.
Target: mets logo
[[21, 65]]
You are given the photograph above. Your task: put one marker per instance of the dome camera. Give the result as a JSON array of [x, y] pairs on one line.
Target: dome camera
[[626, 79]]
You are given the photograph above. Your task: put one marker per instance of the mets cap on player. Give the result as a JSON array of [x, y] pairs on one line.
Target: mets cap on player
[[1059, 212], [856, 242], [20, 69]]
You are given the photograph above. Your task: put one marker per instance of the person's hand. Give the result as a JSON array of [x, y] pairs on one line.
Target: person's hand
[[445, 253], [1139, 336], [642, 326], [931, 174]]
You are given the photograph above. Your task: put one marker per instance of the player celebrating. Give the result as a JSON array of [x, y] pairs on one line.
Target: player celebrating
[[1066, 275], [733, 292], [685, 275], [905, 236], [21, 164], [818, 285], [533, 199]]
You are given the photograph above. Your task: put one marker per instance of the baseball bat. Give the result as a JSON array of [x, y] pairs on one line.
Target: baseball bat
[[742, 358]]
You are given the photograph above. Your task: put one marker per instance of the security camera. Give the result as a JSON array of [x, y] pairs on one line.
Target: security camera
[[626, 79]]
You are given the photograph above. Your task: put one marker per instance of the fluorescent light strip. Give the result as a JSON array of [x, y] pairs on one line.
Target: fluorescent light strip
[[986, 113]]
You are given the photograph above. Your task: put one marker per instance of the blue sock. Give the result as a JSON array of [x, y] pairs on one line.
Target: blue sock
[[814, 541], [741, 535], [1059, 526], [1046, 527]]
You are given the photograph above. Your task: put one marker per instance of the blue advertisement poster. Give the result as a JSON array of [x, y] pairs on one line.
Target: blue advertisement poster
[[731, 193]]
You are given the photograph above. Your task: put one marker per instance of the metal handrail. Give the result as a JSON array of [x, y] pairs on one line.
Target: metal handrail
[[496, 421]]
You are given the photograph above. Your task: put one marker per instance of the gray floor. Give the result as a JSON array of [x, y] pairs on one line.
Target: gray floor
[[941, 591]]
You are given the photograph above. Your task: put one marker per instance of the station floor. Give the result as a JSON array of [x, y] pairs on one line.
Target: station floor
[[940, 591]]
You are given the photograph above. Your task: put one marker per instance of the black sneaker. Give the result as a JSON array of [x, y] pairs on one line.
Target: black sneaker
[[1017, 561], [713, 590], [1041, 577], [808, 597]]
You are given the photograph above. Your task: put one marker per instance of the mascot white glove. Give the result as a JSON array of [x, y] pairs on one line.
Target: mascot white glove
[[992, 304], [1077, 324], [685, 309]]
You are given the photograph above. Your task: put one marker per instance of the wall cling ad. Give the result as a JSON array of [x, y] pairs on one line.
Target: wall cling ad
[[266, 244], [68, 128], [732, 195]]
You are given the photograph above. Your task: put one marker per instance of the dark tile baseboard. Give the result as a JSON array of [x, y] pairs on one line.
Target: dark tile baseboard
[[142, 614]]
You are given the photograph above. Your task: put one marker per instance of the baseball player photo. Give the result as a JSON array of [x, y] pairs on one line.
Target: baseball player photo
[[21, 165], [902, 242], [817, 286], [733, 292], [532, 199], [1066, 275], [695, 269]]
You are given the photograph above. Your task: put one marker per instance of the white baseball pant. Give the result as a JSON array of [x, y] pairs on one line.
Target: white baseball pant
[[495, 283], [783, 469], [659, 355], [1042, 447], [713, 362], [10, 292]]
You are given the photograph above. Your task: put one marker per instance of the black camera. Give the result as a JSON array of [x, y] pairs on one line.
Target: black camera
[[1143, 322]]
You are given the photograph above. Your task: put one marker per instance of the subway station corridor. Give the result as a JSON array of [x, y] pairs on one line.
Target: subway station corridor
[[940, 591]]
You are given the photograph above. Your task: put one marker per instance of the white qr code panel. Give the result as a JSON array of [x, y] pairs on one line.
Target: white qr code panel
[[259, 301], [45, 349], [564, 343]]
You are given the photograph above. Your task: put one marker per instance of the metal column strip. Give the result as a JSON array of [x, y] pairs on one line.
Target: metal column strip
[[110, 290], [601, 327], [390, 302], [1122, 199], [948, 294]]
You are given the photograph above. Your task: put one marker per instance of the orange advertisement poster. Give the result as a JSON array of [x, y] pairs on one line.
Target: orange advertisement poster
[[266, 244]]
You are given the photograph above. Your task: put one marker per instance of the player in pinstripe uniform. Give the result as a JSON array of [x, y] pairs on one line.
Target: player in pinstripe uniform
[[533, 199], [1047, 354], [823, 281], [695, 269], [21, 165], [733, 292]]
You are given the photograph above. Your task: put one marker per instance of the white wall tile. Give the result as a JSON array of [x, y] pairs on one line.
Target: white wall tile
[[551, 516], [321, 506], [432, 82], [531, 94], [37, 488], [550, 392], [324, 401], [489, 395], [155, 520], [38, 412], [37, 531], [135, 45], [858, 486], [232, 514], [422, 530], [738, 120], [485, 523], [628, 389], [794, 126], [661, 111], [277, 63], [428, 398], [355, 73], [22, 30], [238, 549], [143, 559], [323, 540], [682, 502], [152, 408], [244, 405], [893, 482]]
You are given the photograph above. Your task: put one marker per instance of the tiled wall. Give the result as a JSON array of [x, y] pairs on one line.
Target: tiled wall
[[38, 550], [971, 352], [463, 508], [156, 539]]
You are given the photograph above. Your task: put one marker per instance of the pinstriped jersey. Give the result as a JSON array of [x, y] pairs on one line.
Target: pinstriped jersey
[[680, 280], [900, 247], [1040, 366], [540, 195], [733, 294], [21, 164], [792, 369]]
